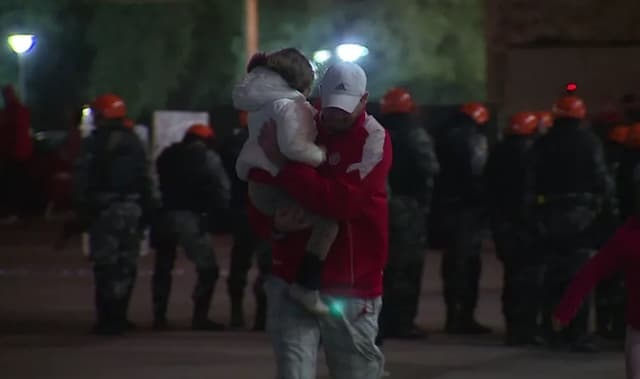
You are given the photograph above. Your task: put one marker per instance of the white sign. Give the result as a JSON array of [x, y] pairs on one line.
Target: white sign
[[169, 127]]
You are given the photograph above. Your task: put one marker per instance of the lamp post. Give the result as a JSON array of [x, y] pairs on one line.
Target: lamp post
[[251, 27], [21, 44]]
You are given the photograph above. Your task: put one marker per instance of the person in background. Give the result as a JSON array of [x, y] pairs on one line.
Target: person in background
[[511, 199], [113, 196], [16, 149], [462, 149], [572, 183], [246, 243], [194, 189], [411, 182]]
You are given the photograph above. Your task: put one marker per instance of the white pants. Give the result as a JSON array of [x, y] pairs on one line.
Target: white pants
[[633, 353], [348, 339]]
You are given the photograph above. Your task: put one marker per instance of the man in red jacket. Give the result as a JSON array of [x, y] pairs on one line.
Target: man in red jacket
[[16, 149], [349, 187]]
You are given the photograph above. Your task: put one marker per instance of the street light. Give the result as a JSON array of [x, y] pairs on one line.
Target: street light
[[322, 56], [351, 52], [21, 44]]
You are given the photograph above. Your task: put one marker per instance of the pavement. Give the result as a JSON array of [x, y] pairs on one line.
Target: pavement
[[46, 313]]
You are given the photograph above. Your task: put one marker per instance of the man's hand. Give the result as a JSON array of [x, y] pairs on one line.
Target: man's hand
[[291, 219], [268, 141]]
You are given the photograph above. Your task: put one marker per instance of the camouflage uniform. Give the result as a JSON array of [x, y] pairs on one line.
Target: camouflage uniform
[[511, 192], [462, 150], [411, 186], [194, 188], [245, 243], [113, 194], [572, 183]]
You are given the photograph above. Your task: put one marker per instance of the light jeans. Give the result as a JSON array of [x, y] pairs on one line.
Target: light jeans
[[348, 339], [633, 353]]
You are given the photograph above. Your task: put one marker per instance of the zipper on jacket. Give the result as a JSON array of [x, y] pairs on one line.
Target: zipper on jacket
[[349, 236]]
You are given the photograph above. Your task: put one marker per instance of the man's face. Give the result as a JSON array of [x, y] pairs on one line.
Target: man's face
[[337, 120]]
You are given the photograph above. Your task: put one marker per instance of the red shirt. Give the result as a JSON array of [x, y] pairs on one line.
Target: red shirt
[[350, 188], [622, 252]]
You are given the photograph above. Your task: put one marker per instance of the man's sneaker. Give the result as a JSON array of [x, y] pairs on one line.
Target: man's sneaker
[[310, 300]]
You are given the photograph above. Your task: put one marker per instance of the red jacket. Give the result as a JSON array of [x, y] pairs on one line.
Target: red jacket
[[351, 188], [16, 136], [621, 253]]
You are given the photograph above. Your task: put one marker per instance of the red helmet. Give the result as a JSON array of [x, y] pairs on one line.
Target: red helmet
[[570, 107], [619, 134], [523, 124], [545, 119], [477, 111], [397, 100], [201, 130], [633, 139], [109, 106]]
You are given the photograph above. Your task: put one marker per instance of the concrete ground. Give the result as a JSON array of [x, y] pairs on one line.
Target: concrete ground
[[46, 313]]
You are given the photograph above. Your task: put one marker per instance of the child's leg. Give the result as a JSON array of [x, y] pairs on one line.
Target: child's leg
[[306, 290], [633, 353], [264, 197], [323, 234]]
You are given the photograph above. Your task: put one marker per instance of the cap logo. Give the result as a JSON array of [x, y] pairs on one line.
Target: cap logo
[[340, 87]]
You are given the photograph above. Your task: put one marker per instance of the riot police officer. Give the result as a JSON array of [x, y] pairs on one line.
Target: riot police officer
[[411, 183], [194, 187], [511, 195], [114, 198], [571, 184], [462, 150], [246, 244]]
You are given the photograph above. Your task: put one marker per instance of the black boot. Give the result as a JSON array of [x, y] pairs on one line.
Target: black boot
[[461, 321], [237, 313], [202, 300], [469, 325], [449, 324], [260, 323], [161, 286], [100, 301], [128, 276], [106, 302], [310, 272]]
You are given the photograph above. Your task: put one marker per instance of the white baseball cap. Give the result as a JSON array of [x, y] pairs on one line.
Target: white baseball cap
[[342, 86]]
